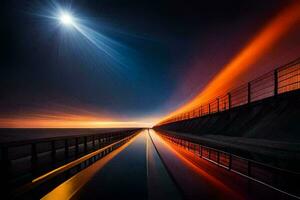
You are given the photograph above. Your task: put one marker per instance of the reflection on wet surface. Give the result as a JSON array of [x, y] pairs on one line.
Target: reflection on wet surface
[[149, 167], [200, 179], [124, 177], [69, 188], [160, 184], [196, 183], [134, 171]]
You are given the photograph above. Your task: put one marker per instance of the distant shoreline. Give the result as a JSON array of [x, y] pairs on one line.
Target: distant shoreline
[[19, 134]]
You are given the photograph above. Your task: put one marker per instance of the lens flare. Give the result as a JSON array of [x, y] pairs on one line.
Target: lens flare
[[66, 19]]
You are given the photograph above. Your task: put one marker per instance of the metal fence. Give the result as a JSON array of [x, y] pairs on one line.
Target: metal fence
[[41, 185], [279, 179], [281, 80], [23, 160]]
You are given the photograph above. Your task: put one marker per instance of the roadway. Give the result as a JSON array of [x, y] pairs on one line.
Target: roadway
[[148, 167]]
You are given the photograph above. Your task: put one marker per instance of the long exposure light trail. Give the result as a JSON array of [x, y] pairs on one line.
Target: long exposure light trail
[[66, 120], [40, 123], [249, 55]]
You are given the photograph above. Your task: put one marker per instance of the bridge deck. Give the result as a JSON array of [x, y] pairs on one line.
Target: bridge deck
[[149, 167]]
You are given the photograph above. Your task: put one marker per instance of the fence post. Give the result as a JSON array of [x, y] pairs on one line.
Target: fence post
[[229, 162], [229, 100], [275, 82], [5, 165], [99, 142], [34, 158], [209, 108], [85, 144], [200, 110], [200, 151], [76, 146], [93, 137], [249, 168], [249, 92], [218, 104]]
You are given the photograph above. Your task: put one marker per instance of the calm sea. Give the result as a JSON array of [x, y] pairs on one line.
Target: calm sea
[[13, 134]]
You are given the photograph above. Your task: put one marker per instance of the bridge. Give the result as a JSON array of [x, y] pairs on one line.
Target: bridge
[[237, 146]]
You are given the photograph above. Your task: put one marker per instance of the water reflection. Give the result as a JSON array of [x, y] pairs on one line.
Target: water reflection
[[194, 181]]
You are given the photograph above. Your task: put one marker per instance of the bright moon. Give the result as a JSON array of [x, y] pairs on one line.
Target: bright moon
[[66, 19]]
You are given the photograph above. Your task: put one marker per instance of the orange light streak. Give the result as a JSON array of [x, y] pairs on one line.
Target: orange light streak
[[68, 121], [69, 188], [176, 150], [244, 60]]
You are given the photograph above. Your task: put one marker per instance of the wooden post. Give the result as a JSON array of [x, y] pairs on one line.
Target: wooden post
[[218, 104]]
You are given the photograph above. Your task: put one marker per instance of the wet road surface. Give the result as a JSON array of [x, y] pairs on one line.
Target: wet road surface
[[149, 167]]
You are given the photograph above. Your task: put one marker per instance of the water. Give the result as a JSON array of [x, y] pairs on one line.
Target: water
[[18, 134]]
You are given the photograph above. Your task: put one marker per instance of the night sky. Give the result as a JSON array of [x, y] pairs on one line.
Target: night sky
[[164, 53]]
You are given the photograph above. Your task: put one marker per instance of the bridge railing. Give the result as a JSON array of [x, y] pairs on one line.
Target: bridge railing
[[23, 160], [41, 185], [279, 179], [281, 80], [288, 78]]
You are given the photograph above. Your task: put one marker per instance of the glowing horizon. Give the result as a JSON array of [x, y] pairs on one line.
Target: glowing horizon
[[67, 120], [104, 46], [239, 65], [40, 123]]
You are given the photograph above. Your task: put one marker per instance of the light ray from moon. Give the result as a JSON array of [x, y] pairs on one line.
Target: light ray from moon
[[104, 45]]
